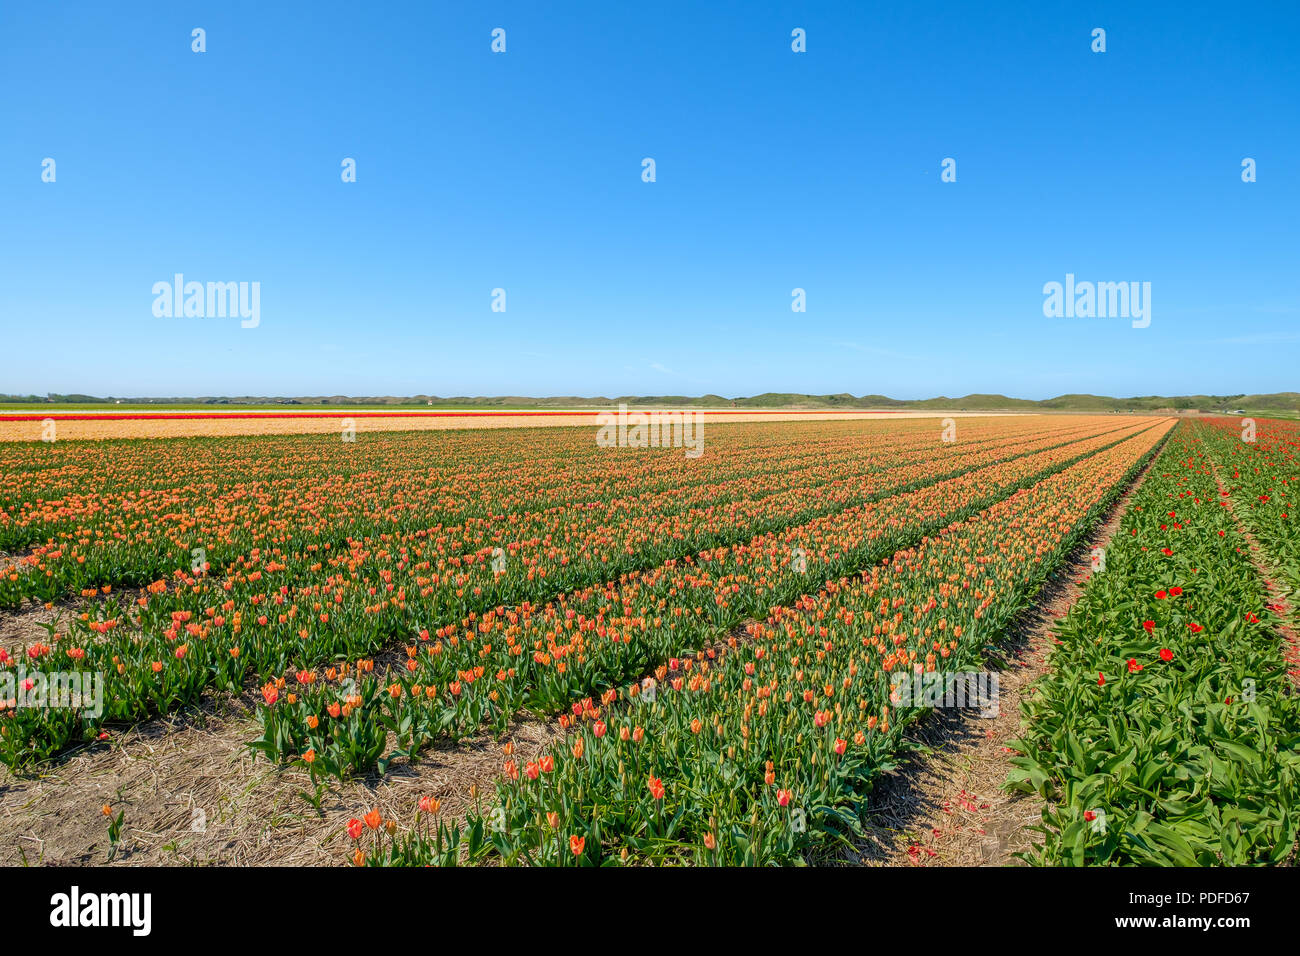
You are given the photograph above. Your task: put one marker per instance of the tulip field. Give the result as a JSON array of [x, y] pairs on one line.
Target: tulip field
[[715, 641], [1168, 732]]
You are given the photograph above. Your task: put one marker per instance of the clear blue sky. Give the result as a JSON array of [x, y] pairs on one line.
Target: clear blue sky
[[775, 170]]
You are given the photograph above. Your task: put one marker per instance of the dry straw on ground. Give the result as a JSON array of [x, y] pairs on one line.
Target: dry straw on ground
[[192, 793]]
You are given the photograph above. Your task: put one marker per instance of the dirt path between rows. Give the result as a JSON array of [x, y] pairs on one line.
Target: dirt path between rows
[[945, 805], [193, 794], [31, 622]]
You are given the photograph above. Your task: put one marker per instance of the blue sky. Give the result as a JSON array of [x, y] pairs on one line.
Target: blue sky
[[775, 170]]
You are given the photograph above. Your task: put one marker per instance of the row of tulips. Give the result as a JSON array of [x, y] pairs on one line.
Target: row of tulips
[[1167, 731], [295, 490], [151, 503], [759, 749], [1259, 464], [175, 538], [181, 637], [455, 679], [501, 552]]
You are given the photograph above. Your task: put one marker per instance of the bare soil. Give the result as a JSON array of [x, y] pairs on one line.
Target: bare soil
[[192, 793]]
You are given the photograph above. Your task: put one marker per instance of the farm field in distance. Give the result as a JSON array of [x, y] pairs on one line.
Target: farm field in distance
[[182, 421], [486, 646]]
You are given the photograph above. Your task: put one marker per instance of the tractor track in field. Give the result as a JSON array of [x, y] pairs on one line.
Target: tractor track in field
[[944, 805]]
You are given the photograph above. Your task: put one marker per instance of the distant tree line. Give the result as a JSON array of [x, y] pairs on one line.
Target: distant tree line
[[54, 397]]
